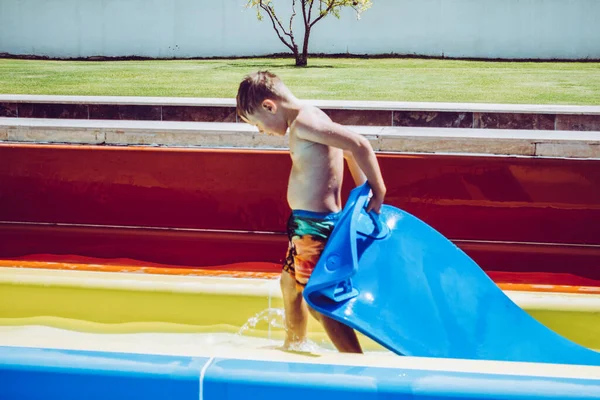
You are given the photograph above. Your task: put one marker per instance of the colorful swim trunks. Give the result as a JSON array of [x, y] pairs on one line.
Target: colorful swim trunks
[[308, 233]]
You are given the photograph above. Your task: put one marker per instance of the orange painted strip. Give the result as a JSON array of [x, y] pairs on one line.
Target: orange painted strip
[[521, 287], [525, 287], [138, 269]]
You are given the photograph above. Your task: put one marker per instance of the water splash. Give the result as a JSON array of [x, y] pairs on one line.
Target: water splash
[[273, 317], [308, 346]]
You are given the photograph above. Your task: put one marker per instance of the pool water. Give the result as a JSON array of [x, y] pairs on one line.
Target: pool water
[[189, 344], [263, 331], [112, 303]]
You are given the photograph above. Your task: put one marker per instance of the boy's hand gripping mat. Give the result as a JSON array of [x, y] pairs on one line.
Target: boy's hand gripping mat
[[400, 282]]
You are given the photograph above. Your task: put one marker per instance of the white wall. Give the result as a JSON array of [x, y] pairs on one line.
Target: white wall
[[545, 29]]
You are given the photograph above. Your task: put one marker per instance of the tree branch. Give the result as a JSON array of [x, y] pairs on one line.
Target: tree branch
[[304, 12], [312, 2], [357, 10], [273, 21], [310, 7], [323, 13], [291, 35], [274, 16]]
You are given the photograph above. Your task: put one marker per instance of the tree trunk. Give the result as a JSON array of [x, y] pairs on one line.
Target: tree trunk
[[302, 59]]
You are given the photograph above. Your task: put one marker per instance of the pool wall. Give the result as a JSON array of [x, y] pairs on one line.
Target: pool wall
[[194, 207], [70, 374]]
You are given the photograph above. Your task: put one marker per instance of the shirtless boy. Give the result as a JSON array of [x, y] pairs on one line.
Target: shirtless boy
[[318, 147]]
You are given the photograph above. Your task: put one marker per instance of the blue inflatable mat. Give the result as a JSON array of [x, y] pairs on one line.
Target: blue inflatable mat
[[400, 282]]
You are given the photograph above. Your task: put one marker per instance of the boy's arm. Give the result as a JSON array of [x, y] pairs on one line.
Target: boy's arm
[[333, 134], [357, 174]]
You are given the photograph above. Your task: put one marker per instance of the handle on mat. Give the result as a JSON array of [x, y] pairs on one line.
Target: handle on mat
[[344, 290]]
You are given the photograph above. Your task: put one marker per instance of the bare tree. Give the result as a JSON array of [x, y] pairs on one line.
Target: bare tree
[[310, 16]]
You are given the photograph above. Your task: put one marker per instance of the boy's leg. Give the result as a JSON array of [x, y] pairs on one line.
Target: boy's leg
[[296, 311], [343, 337], [296, 319], [308, 238]]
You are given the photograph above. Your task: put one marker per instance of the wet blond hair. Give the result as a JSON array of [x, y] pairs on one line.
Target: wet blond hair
[[255, 88]]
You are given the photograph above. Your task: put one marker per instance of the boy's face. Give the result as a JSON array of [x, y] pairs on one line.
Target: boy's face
[[267, 119]]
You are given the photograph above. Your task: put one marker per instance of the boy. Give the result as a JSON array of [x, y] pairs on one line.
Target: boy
[[318, 147]]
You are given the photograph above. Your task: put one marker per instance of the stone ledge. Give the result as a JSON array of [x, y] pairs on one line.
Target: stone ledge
[[326, 104], [365, 113], [566, 144]]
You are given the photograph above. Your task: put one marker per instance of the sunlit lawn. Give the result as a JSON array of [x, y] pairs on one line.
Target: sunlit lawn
[[393, 79]]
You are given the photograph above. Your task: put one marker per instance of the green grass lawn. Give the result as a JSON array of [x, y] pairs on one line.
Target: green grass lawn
[[393, 79]]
